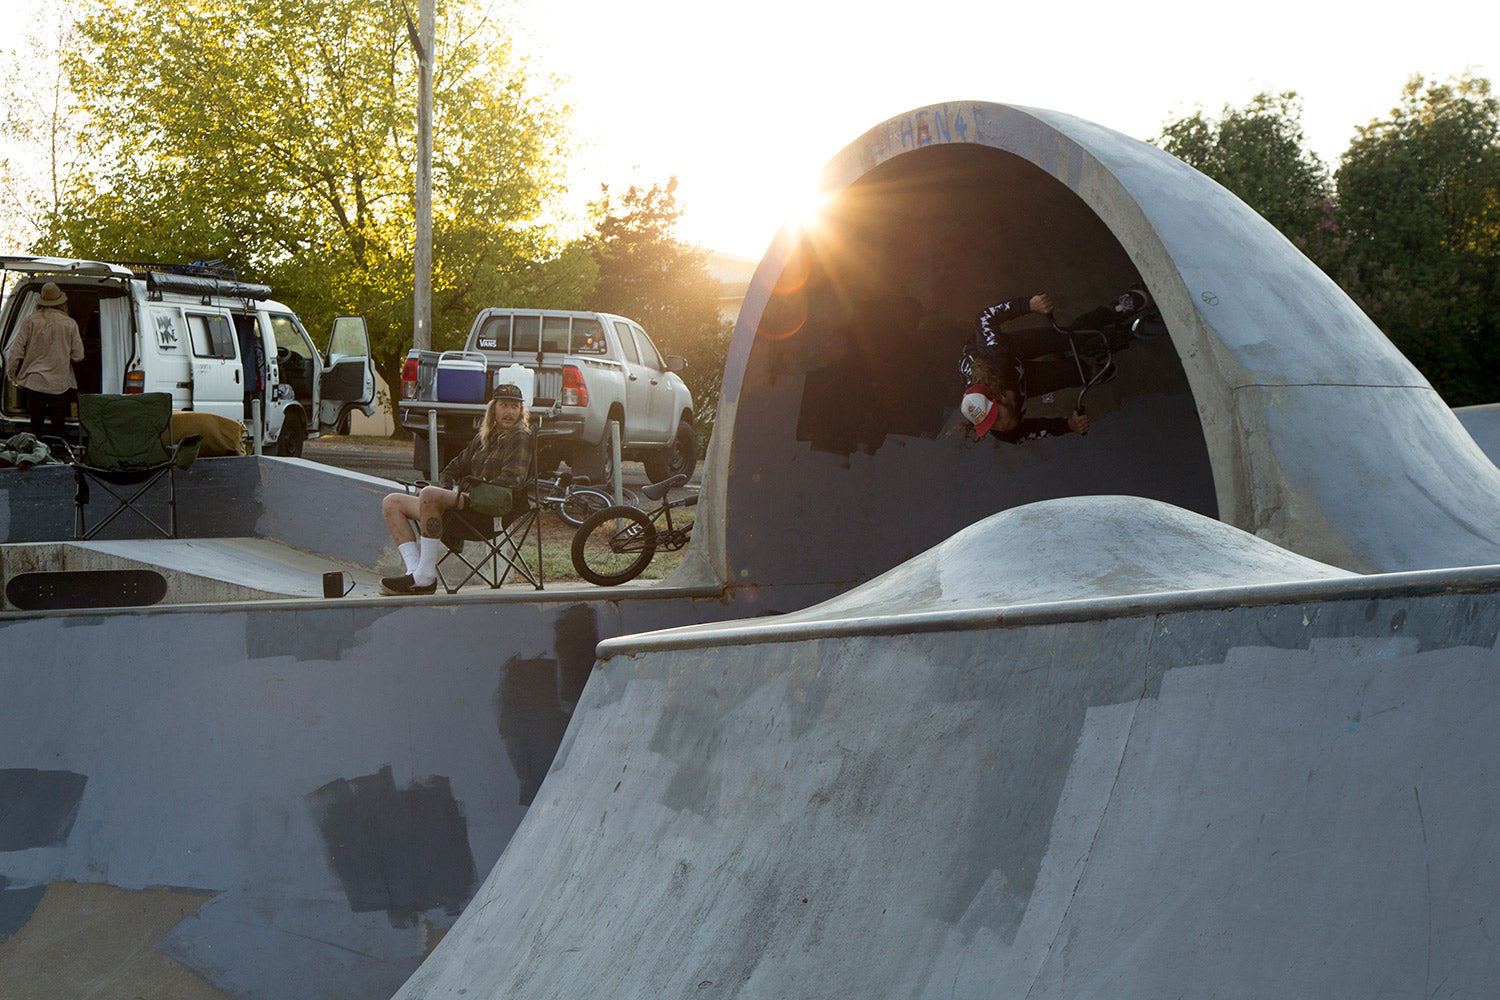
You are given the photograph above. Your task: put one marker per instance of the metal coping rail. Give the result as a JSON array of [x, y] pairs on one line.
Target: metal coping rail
[[1413, 583]]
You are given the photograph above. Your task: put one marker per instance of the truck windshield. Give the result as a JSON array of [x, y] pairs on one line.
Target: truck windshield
[[555, 334], [526, 333]]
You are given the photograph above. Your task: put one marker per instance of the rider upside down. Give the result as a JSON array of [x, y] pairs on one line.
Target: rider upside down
[[1001, 368]]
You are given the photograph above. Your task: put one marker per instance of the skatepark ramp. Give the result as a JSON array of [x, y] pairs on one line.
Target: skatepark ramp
[[1197, 703], [953, 782]]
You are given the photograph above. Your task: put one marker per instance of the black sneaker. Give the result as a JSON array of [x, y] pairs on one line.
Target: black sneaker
[[405, 585]]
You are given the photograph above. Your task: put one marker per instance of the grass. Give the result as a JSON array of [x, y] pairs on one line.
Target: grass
[[557, 551]]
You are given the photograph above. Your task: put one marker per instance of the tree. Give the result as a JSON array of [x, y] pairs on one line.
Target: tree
[[1419, 209], [279, 138], [645, 273], [39, 123], [1260, 153]]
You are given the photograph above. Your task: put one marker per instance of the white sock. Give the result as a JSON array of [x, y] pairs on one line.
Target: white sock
[[409, 554], [426, 571]]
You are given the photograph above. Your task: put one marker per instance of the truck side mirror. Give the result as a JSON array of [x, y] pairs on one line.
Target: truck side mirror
[[676, 363]]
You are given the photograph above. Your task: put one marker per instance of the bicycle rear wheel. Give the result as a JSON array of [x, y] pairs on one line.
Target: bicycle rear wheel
[[613, 545], [579, 504]]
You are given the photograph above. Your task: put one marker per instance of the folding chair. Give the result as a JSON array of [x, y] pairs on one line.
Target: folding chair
[[503, 538], [123, 446], [502, 541]]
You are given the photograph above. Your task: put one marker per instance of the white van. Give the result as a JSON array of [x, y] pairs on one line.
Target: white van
[[216, 344]]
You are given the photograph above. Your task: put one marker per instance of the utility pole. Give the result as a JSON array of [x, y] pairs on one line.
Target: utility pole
[[422, 40]]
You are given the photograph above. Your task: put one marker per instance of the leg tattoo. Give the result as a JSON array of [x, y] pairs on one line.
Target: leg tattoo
[[433, 527]]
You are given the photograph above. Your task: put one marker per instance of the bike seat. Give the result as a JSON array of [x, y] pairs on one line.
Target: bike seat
[[658, 490]]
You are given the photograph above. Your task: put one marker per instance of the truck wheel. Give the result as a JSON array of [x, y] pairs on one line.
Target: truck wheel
[[293, 434], [679, 458], [595, 461]]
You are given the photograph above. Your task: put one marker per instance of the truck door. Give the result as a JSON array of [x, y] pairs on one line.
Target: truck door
[[637, 388], [659, 422], [349, 378], [217, 375]]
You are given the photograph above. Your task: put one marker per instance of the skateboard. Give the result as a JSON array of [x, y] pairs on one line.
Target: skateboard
[[99, 588]]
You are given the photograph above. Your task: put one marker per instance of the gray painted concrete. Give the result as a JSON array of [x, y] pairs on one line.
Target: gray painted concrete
[[1212, 794], [255, 755]]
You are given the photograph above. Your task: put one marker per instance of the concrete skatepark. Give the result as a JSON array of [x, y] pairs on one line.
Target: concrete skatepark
[[1199, 703]]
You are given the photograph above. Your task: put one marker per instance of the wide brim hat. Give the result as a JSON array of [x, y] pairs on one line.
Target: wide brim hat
[[52, 296]]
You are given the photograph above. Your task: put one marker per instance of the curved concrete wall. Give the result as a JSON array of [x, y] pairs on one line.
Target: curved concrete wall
[[1276, 405]]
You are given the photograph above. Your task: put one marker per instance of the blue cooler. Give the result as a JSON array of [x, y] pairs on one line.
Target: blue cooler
[[460, 377]]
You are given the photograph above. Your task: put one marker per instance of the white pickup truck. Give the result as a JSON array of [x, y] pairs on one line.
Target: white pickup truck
[[598, 367]]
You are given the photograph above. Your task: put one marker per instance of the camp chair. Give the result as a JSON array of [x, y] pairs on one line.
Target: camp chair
[[122, 447], [503, 539], [502, 542]]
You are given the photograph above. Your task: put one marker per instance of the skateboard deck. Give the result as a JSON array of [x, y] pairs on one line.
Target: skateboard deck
[[99, 588]]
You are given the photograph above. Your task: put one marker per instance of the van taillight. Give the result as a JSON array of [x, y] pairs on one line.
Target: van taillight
[[135, 382], [574, 392], [409, 379]]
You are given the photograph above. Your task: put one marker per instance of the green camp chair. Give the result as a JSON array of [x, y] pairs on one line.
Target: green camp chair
[[123, 447]]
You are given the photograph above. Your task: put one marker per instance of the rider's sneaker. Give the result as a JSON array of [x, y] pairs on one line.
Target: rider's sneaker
[[406, 584], [1132, 302]]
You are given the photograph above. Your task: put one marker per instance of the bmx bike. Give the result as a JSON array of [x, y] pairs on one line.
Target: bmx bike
[[616, 544]]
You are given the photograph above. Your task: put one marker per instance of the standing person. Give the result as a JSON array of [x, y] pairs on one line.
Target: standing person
[[41, 360], [994, 368], [499, 454]]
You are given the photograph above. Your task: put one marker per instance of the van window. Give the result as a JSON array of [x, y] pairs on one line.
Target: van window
[[627, 342], [555, 334], [588, 336], [211, 336], [494, 335], [525, 333]]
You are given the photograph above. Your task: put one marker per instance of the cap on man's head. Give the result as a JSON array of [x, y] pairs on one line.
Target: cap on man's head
[[979, 408], [508, 390], [52, 296]]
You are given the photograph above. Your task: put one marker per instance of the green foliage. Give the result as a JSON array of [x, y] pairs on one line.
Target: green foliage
[[1409, 226], [1419, 213], [1260, 153], [280, 139], [645, 273]]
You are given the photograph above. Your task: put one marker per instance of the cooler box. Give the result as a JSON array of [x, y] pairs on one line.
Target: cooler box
[[460, 377], [518, 375]]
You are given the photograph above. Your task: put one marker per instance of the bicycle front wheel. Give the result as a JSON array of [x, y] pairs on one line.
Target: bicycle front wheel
[[579, 504], [613, 545]]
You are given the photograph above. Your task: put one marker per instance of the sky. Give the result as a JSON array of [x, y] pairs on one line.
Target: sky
[[745, 102]]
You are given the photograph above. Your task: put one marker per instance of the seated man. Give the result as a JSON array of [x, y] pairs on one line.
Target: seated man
[[500, 454]]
